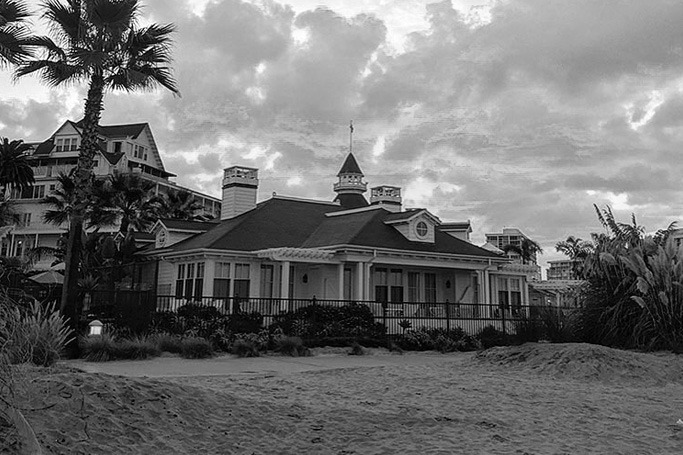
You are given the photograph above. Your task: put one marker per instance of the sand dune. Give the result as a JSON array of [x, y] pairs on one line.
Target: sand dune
[[533, 399]]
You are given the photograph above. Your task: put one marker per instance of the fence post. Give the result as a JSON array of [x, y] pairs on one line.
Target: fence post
[[502, 312], [448, 316]]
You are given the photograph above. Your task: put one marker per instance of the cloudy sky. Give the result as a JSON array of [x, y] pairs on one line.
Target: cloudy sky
[[517, 113]]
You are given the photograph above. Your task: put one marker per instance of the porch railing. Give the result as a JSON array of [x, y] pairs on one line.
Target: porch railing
[[397, 317]]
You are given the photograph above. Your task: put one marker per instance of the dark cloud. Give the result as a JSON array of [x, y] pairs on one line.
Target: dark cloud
[[527, 120]]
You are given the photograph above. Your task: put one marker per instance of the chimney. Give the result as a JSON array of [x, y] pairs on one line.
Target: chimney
[[386, 196], [240, 186]]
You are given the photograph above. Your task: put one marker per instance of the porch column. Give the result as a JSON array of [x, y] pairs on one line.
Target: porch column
[[366, 284], [360, 283], [284, 286], [209, 274], [487, 292], [340, 280]]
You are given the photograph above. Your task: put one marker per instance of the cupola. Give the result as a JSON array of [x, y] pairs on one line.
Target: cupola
[[350, 185]]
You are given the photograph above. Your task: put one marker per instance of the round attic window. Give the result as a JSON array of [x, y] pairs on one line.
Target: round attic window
[[421, 229]]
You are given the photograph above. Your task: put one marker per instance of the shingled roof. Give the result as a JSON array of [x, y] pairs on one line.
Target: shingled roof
[[279, 223], [132, 130], [273, 223], [368, 229]]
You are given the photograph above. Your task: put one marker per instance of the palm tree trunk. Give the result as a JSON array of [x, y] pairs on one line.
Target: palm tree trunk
[[82, 182]]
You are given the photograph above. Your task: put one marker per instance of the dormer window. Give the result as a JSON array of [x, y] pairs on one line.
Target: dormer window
[[421, 229], [415, 225], [66, 144]]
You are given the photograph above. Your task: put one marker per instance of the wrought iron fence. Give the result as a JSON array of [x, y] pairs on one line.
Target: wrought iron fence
[[396, 317]]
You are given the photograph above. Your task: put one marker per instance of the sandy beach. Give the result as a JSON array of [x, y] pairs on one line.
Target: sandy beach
[[532, 399]]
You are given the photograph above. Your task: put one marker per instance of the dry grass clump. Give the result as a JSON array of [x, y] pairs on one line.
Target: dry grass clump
[[196, 348], [291, 346]]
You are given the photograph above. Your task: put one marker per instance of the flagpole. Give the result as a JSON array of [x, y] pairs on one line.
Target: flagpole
[[351, 136]]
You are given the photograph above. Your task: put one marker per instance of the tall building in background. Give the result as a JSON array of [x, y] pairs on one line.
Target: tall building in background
[[510, 236], [122, 148]]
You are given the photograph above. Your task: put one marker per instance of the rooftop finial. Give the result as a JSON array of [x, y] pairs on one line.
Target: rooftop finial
[[351, 136]]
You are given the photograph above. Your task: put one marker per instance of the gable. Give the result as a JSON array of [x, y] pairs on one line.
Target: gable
[[415, 225]]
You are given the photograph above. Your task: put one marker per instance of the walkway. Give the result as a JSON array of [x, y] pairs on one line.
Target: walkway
[[226, 365]]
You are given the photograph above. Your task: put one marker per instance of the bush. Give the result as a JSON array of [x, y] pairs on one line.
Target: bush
[[32, 334], [206, 322], [138, 347], [356, 349], [441, 340], [101, 348], [324, 322], [529, 330], [168, 343], [245, 348], [196, 348], [489, 337], [291, 346]]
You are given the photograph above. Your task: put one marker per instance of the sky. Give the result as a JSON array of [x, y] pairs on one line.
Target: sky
[[514, 113]]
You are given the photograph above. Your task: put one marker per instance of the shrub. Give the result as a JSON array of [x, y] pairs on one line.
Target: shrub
[[168, 343], [33, 334], [196, 348], [323, 322], [292, 346], [138, 347], [529, 330], [245, 348], [101, 348], [441, 340], [489, 337], [356, 349]]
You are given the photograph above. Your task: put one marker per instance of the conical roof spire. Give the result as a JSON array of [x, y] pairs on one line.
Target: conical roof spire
[[350, 166]]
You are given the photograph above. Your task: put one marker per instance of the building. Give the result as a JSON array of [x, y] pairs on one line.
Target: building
[[123, 148], [562, 269], [266, 256]]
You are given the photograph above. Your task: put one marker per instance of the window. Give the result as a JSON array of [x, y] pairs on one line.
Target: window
[[199, 282], [396, 285], [503, 296], [4, 248], [413, 287], [25, 219], [266, 281], [381, 285], [179, 281], [430, 287], [515, 295], [38, 191], [221, 280], [241, 281], [53, 187], [190, 278], [117, 147], [66, 144], [421, 229]]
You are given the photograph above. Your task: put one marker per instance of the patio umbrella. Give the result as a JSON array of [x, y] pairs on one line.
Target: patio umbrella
[[49, 277]]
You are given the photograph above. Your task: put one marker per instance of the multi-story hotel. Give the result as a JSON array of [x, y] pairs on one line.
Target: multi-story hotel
[[123, 148]]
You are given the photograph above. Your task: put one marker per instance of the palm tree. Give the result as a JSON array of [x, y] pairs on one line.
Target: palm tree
[[577, 250], [62, 201], [97, 42], [130, 198], [178, 205], [15, 171], [526, 250], [14, 34]]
